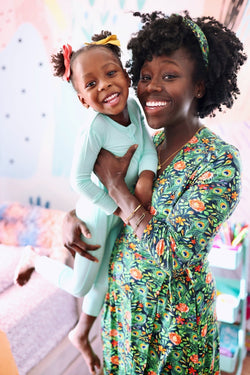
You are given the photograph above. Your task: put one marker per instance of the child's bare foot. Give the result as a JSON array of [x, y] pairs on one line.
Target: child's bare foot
[[25, 266], [81, 342]]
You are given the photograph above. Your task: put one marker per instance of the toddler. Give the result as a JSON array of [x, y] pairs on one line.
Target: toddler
[[98, 77]]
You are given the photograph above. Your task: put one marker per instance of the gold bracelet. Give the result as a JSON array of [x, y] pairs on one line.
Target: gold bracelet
[[132, 213], [138, 222]]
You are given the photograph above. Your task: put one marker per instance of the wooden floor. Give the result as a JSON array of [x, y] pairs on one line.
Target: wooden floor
[[246, 367]]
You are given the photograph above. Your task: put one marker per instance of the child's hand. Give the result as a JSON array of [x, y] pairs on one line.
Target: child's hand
[[143, 188]]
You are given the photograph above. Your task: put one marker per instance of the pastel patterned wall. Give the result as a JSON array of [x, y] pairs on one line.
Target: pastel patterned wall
[[40, 115]]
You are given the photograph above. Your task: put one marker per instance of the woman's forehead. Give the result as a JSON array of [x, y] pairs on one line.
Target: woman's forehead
[[178, 58]]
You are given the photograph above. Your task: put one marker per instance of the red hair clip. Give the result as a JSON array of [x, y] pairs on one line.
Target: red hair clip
[[67, 51]]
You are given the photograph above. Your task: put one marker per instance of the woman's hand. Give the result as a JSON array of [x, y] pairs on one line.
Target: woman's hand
[[110, 169], [72, 230]]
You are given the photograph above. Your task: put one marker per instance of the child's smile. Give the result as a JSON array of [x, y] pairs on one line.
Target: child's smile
[[112, 99]]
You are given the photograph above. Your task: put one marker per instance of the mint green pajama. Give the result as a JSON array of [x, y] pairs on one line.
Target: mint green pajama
[[95, 207]]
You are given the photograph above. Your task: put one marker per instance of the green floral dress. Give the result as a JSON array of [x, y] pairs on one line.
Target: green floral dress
[[159, 314]]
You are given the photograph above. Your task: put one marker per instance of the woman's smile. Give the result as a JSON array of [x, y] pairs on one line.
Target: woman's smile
[[155, 105]]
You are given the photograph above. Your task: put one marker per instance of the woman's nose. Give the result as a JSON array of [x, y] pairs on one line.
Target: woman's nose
[[154, 85]]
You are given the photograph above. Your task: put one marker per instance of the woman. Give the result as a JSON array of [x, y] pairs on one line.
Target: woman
[[159, 314]]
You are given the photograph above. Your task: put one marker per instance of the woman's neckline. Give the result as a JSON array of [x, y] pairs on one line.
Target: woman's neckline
[[174, 154]]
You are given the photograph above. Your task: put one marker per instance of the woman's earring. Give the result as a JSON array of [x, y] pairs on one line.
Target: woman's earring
[[198, 95]]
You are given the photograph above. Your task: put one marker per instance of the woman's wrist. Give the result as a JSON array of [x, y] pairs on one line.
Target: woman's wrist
[[131, 210], [139, 220]]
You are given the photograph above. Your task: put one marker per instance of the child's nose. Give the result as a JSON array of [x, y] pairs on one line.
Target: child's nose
[[103, 85]]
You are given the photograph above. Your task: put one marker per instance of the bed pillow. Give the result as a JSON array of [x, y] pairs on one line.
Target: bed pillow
[[22, 225]]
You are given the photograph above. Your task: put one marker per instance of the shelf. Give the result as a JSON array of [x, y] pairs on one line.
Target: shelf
[[227, 257], [228, 364], [229, 347], [231, 302], [228, 299]]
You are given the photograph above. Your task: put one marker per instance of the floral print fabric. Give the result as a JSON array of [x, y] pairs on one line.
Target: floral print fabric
[[159, 314]]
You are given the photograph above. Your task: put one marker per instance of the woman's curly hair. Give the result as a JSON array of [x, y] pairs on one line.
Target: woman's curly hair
[[58, 59], [162, 35]]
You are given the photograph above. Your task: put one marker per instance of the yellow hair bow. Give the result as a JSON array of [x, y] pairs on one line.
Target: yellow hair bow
[[111, 39]]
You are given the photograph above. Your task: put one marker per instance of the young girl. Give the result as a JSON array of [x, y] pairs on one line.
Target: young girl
[[100, 81]]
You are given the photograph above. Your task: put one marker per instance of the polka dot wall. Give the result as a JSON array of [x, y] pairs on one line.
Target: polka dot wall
[[24, 111]]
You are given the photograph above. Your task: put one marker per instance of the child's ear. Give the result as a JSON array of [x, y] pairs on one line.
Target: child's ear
[[83, 101]]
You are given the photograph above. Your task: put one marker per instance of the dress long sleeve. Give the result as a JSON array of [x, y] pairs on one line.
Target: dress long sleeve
[[190, 208]]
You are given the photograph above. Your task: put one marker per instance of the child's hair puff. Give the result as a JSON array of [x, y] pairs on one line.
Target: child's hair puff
[[57, 59], [162, 35]]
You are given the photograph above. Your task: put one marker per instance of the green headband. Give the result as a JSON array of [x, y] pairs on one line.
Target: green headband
[[201, 38]]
